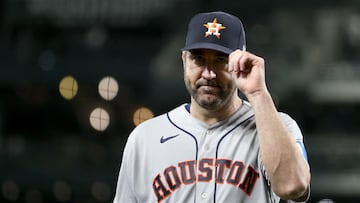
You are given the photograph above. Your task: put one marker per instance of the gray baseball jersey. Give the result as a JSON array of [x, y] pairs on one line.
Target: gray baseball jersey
[[177, 158]]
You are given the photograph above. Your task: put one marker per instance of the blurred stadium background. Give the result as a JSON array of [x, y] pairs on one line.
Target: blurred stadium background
[[49, 152]]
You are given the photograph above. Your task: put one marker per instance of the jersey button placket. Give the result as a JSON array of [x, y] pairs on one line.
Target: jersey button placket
[[204, 188], [209, 134], [207, 146]]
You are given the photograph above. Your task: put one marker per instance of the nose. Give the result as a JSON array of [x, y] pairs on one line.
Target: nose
[[208, 73]]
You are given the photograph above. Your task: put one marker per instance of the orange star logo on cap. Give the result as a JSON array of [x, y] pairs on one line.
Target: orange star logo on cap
[[213, 28]]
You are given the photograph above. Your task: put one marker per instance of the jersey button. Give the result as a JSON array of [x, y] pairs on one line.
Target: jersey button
[[204, 195]]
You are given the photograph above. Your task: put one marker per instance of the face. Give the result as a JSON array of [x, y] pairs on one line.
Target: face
[[207, 78]]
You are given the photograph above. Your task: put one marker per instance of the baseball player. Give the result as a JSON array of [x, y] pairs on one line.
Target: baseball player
[[218, 148]]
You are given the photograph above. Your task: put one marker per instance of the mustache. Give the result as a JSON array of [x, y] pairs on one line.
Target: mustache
[[203, 82]]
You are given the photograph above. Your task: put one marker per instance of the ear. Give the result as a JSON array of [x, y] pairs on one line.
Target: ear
[[183, 57]]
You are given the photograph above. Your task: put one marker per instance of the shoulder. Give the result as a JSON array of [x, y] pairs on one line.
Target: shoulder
[[149, 125], [156, 125], [163, 119]]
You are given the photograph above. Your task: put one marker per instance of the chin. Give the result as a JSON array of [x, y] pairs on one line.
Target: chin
[[209, 103]]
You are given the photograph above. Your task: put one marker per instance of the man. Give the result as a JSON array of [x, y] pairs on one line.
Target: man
[[218, 148]]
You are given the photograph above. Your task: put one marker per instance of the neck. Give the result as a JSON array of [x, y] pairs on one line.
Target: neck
[[216, 115]]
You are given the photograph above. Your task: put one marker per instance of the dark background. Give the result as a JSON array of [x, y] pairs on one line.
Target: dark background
[[50, 153]]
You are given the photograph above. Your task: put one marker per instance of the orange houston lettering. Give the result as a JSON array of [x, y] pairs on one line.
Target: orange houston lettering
[[185, 173]]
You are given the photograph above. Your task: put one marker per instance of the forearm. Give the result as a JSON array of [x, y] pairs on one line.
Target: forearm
[[288, 171]]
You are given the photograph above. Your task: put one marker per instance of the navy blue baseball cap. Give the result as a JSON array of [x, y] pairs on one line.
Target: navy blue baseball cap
[[217, 30]]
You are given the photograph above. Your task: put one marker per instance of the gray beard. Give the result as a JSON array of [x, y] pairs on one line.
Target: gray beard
[[215, 103]]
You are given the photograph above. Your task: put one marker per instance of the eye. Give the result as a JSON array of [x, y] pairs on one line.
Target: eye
[[198, 59], [222, 60]]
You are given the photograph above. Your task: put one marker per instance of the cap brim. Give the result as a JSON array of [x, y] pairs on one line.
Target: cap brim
[[204, 45]]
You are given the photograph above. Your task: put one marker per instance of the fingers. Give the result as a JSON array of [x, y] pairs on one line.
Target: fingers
[[233, 64], [237, 61], [242, 61]]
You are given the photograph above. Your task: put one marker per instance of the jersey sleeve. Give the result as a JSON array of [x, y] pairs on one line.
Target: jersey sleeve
[[295, 132], [124, 189]]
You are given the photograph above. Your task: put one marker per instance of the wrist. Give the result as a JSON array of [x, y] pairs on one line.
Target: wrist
[[259, 97]]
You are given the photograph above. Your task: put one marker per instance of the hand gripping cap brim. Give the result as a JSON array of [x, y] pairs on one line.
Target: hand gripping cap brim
[[218, 31]]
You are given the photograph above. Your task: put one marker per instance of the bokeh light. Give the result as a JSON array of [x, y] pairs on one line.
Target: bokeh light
[[142, 114], [10, 190], [68, 87], [101, 191], [47, 60], [99, 119], [326, 201], [62, 191], [108, 88]]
